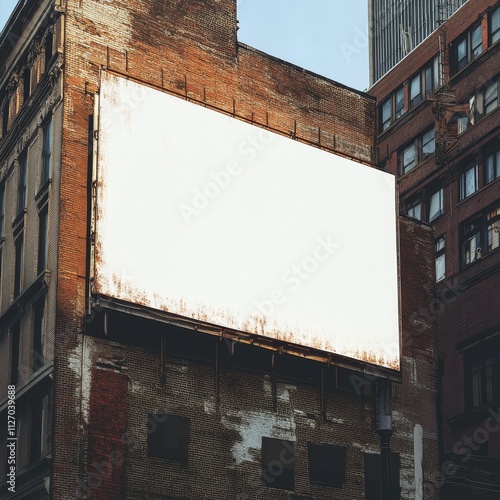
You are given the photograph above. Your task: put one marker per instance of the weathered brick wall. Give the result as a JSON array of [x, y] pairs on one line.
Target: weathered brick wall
[[190, 48]]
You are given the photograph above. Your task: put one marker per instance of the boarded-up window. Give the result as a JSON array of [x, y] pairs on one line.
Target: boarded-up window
[[278, 457], [326, 464], [168, 437]]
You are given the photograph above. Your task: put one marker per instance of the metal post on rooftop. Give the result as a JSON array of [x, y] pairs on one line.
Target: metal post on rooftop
[[385, 431]]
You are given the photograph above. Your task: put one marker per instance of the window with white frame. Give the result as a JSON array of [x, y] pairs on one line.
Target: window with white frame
[[493, 229], [440, 258], [492, 165], [436, 204], [408, 158], [468, 182]]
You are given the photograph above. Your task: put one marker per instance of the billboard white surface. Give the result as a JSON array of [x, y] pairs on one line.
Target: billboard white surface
[[211, 218]]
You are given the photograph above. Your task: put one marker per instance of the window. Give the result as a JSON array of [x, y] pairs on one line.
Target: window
[[38, 335], [415, 211], [493, 229], [495, 26], [372, 476], [482, 376], [386, 114], [480, 235], [14, 353], [471, 246], [492, 167], [468, 48], [416, 151], [168, 437], [278, 457], [428, 143], [436, 204], [399, 103], [468, 182], [5, 118], [485, 99], [490, 97], [46, 151], [21, 182], [42, 239], [18, 264], [39, 428], [326, 464], [26, 84], [2, 210], [409, 158], [49, 42], [415, 91], [392, 108], [440, 258]]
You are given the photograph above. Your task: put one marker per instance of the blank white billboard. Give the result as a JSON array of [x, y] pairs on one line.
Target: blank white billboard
[[211, 218]]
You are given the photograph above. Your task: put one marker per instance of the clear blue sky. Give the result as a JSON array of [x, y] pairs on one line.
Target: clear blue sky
[[324, 36]]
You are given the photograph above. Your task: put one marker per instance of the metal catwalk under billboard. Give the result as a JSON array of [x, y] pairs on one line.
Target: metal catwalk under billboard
[[212, 218]]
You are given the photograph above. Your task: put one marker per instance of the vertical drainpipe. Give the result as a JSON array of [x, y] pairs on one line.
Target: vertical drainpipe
[[385, 431]]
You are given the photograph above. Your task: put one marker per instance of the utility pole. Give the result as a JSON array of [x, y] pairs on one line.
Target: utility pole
[[385, 431]]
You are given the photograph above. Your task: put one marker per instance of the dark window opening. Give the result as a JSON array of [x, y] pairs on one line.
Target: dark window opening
[[326, 464], [14, 355], [18, 264], [38, 335], [482, 376], [49, 41], [168, 437], [26, 84], [46, 151], [22, 181], [5, 118], [278, 458], [42, 239], [372, 476]]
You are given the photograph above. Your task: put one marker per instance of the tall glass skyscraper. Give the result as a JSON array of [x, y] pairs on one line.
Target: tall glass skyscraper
[[398, 26]]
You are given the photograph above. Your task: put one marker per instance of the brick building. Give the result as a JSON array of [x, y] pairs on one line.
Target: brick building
[[114, 400], [439, 133]]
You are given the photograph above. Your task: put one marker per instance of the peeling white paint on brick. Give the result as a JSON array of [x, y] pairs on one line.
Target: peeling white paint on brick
[[209, 406], [252, 426], [80, 364]]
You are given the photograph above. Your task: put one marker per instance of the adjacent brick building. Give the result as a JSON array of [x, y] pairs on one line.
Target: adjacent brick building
[[439, 125], [112, 400]]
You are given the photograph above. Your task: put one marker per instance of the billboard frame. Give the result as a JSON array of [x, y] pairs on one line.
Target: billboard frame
[[97, 300]]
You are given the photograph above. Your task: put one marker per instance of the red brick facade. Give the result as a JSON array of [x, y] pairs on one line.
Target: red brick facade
[[466, 305]]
